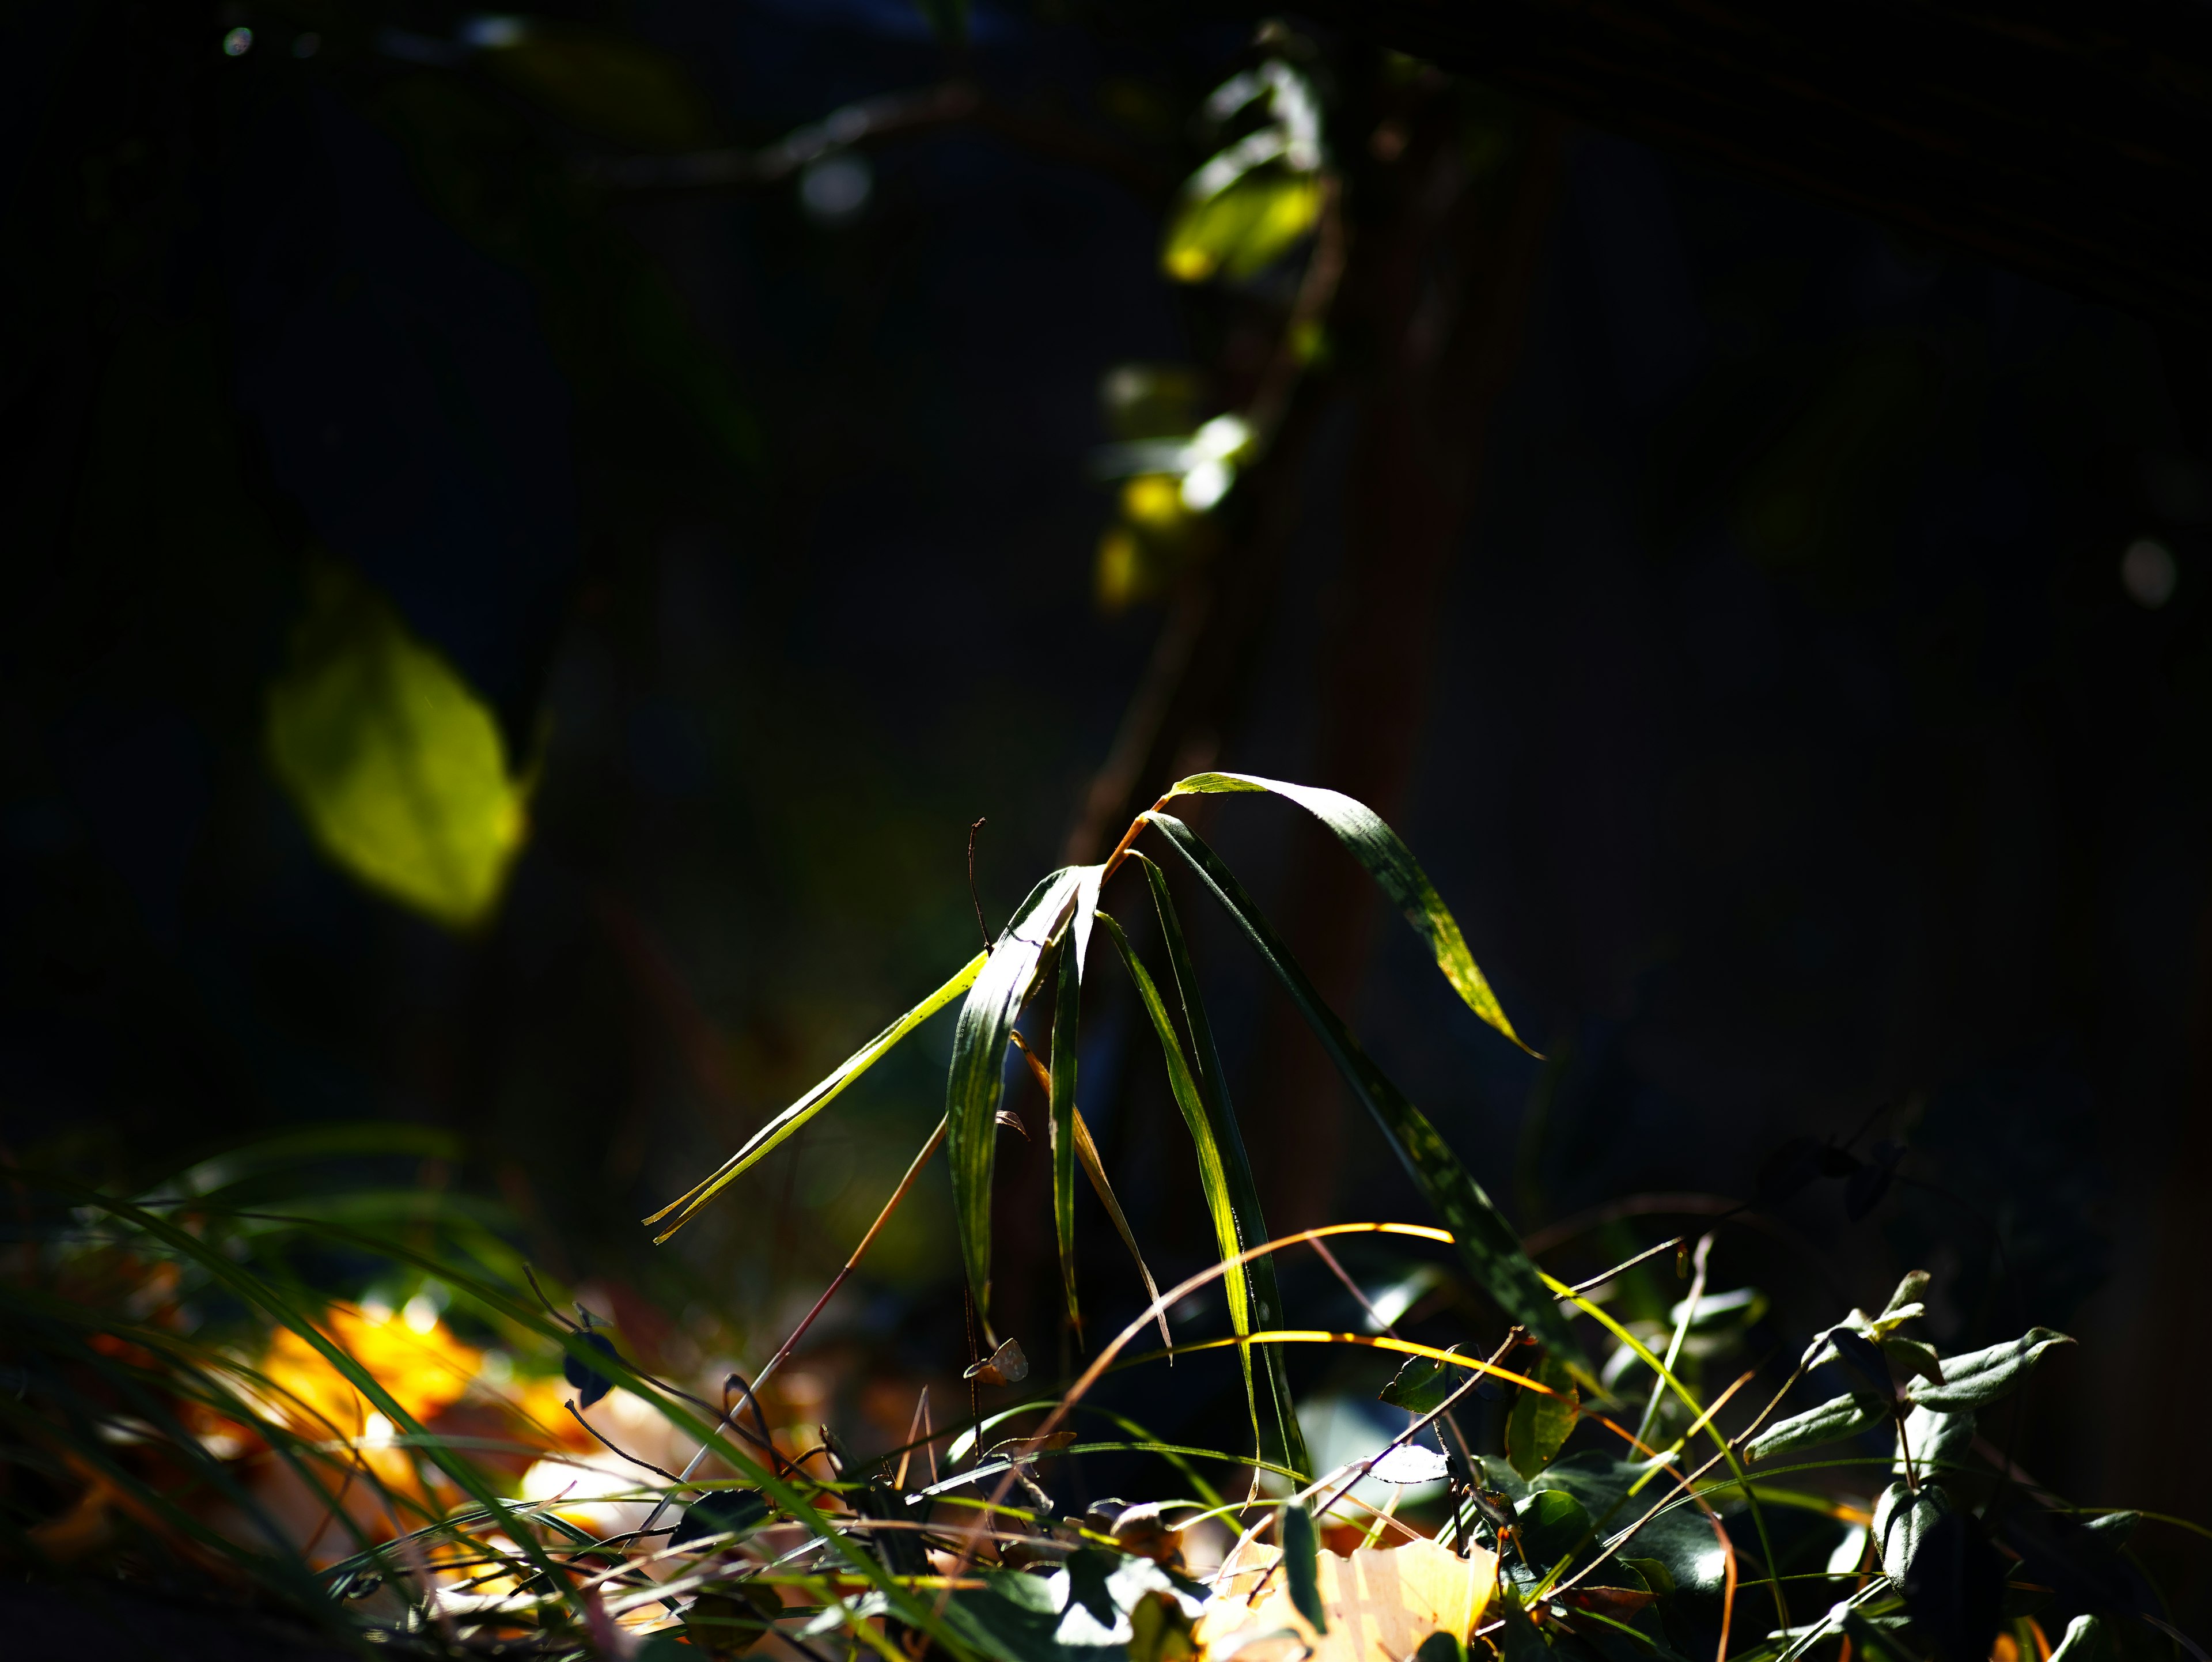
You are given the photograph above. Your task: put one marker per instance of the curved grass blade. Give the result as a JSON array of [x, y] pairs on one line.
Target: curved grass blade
[[1486, 1242], [1212, 1082], [1213, 1180], [1067, 1015], [977, 1078], [764, 1141], [1392, 865]]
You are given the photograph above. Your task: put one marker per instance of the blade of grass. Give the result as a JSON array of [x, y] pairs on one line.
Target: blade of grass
[[764, 1141], [1212, 1081], [1486, 1243], [1394, 869], [976, 1078], [1213, 1180], [1060, 1095]]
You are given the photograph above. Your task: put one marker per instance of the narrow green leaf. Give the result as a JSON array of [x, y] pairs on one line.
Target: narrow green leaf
[[1212, 1181], [1066, 1015], [1086, 1150], [1392, 865], [1837, 1418], [1538, 1426], [1212, 1081], [1302, 1565], [764, 1142], [1982, 1377], [1486, 1243], [977, 1077]]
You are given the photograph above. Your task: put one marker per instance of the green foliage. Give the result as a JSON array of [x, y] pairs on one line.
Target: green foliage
[[1537, 1428], [396, 765], [1302, 1566]]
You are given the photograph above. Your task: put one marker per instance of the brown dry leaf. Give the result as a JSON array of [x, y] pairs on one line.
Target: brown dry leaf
[[1380, 1605]]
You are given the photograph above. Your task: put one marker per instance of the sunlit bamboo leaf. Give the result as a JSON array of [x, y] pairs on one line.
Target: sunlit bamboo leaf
[[977, 1077], [1212, 1082], [395, 763], [763, 1141], [1486, 1242], [1392, 865]]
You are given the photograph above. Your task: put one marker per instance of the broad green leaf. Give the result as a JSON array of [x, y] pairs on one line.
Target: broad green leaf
[[1422, 1384], [977, 1077], [1982, 1377], [1679, 1539], [1486, 1242], [1213, 1188], [1242, 228], [1212, 1081], [1914, 1356], [1837, 1418], [1901, 1517], [1067, 1014], [1392, 865], [1302, 1566], [765, 1141], [2084, 1641], [1538, 1425], [1553, 1523], [393, 761], [1940, 1441]]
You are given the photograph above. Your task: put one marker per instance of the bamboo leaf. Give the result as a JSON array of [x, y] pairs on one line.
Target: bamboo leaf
[[764, 1142], [1086, 1150], [1067, 1014], [1394, 869], [1213, 1180], [977, 1078], [1486, 1243], [1212, 1081]]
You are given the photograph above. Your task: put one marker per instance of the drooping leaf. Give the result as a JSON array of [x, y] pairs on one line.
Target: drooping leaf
[[764, 1142], [1902, 1517], [1486, 1242], [1538, 1425], [1302, 1565], [396, 765], [1391, 864], [977, 1077], [1086, 1150], [589, 1384], [1982, 1377], [1268, 1425], [1212, 1082], [1067, 1009], [1833, 1420]]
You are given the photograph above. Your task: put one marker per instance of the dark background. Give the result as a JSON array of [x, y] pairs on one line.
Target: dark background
[[1776, 718]]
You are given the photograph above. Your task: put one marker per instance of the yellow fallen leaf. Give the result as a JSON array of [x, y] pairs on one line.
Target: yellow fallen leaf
[[1380, 1605]]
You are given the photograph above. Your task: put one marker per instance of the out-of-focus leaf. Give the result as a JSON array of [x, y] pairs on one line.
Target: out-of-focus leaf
[[947, 18], [763, 1141], [1901, 1517], [977, 1076], [1387, 860], [1538, 1425], [1486, 1242], [1269, 1430], [2084, 1641], [1441, 1646], [1422, 1384], [590, 1384], [1864, 1189], [1982, 1377], [1302, 1566], [2114, 1528], [394, 761], [1837, 1418], [721, 1623], [1787, 1170], [1212, 1082], [721, 1513], [1954, 1586], [1242, 228], [1377, 1604], [605, 85], [1553, 1523]]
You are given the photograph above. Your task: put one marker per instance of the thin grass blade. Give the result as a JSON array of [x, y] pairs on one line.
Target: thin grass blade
[[764, 1141], [1394, 869], [1067, 1015], [1486, 1242]]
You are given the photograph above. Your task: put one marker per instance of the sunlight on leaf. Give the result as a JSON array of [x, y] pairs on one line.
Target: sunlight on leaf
[[1379, 1604], [1240, 230], [396, 765]]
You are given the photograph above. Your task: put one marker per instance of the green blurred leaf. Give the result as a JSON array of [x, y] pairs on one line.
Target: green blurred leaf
[[1982, 1377], [2084, 1641], [1837, 1418], [947, 18], [1421, 1385], [1391, 864], [1288, 1443], [394, 761], [977, 1077], [1242, 228], [1302, 1566], [763, 1141], [1538, 1426], [607, 85], [1486, 1242]]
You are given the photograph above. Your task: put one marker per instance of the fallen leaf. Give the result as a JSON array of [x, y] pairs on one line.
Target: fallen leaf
[[1380, 1605]]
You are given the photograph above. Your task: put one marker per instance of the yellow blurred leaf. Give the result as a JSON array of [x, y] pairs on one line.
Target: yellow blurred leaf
[[1241, 228], [1380, 1605], [394, 761], [426, 1372]]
